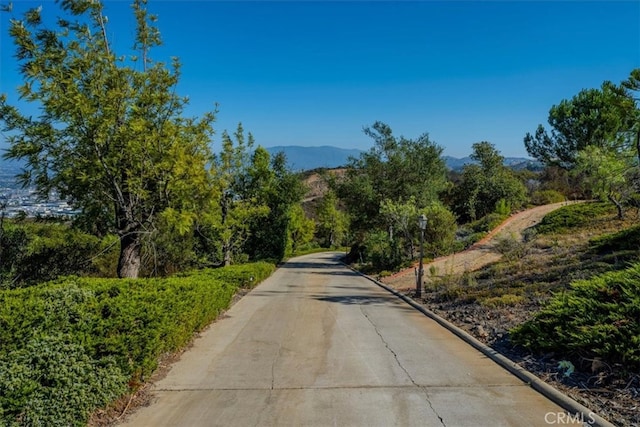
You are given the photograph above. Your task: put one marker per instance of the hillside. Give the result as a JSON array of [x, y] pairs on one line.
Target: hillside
[[507, 279]]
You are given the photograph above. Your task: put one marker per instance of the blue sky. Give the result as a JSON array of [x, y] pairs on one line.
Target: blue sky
[[316, 73]]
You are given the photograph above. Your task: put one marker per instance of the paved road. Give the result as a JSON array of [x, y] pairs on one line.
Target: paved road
[[319, 345]]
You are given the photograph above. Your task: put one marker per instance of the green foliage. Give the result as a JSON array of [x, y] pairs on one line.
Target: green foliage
[[511, 247], [275, 186], [70, 346], [625, 240], [439, 237], [32, 252], [395, 169], [53, 382], [486, 186], [503, 208], [332, 223], [110, 135], [545, 197], [606, 173], [572, 216], [594, 117], [380, 252], [300, 230], [599, 317]]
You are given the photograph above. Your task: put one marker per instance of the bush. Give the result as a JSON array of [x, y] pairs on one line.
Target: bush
[[70, 346], [34, 252], [624, 240], [572, 216], [53, 382], [599, 317], [546, 197]]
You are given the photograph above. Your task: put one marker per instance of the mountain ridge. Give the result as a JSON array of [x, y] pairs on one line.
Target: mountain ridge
[[300, 158]]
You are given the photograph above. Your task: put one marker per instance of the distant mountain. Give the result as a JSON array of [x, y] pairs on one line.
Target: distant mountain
[[517, 163], [308, 158], [456, 164]]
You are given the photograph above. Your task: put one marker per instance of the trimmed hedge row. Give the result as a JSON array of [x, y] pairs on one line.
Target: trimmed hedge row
[[73, 345]]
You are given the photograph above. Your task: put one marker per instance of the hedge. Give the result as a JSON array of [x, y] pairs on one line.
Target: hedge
[[71, 346]]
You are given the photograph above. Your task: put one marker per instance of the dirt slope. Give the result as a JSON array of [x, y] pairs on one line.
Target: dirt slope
[[478, 255]]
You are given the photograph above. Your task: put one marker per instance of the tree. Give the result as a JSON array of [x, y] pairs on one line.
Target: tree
[[401, 218], [600, 117], [631, 89], [332, 223], [483, 185], [393, 169], [111, 137], [234, 206], [607, 174], [300, 230], [273, 185]]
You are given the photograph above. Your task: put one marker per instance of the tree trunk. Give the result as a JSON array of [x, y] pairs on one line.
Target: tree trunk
[[129, 261], [226, 249], [618, 206]]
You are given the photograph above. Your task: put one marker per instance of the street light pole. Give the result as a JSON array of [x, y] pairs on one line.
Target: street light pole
[[422, 222]]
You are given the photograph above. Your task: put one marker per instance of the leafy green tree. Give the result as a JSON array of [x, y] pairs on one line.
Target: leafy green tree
[[332, 223], [483, 185], [273, 185], [631, 89], [300, 231], [236, 206], [401, 218], [440, 234], [600, 117], [393, 169], [607, 174], [111, 136]]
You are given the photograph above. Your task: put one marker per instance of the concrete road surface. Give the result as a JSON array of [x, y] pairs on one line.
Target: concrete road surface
[[318, 345]]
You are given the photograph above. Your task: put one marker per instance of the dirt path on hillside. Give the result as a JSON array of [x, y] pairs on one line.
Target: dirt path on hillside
[[477, 256]]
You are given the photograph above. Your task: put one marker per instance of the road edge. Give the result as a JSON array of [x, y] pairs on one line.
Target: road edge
[[590, 418]]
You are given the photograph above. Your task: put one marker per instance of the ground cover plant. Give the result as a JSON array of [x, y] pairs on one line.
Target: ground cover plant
[[565, 295], [73, 345]]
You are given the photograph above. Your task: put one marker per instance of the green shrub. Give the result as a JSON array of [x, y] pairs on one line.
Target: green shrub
[[573, 216], [488, 223], [599, 317], [53, 382], [545, 197], [70, 346], [35, 252], [624, 240]]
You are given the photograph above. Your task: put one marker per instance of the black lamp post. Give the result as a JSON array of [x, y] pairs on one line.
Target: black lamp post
[[422, 222]]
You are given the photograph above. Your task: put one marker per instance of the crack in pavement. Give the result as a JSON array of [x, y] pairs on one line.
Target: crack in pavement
[[395, 355], [273, 365]]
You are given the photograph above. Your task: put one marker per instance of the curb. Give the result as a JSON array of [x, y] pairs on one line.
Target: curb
[[550, 392]]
